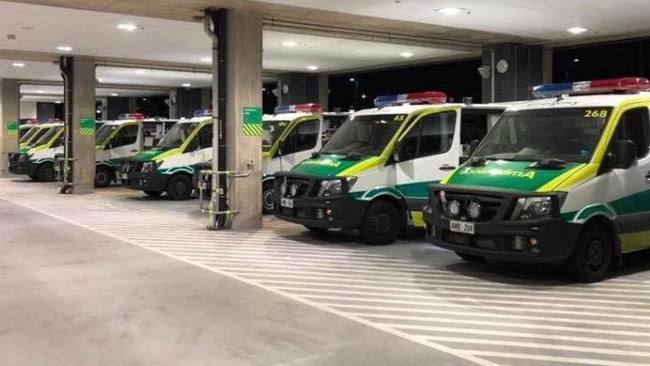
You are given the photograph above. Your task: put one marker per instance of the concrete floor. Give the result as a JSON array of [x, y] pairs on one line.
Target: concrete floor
[[118, 279]]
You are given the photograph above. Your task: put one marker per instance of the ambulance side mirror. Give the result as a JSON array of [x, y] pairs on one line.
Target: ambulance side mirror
[[626, 154]]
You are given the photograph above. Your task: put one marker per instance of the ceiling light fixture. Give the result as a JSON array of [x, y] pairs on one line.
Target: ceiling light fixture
[[58, 102], [40, 91], [450, 12], [140, 72], [576, 30], [186, 85], [207, 60], [289, 43], [18, 64], [128, 27], [312, 67], [100, 80], [64, 48], [407, 54], [115, 94]]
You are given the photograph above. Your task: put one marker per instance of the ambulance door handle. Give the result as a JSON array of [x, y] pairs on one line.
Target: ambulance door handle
[[134, 150], [447, 167]]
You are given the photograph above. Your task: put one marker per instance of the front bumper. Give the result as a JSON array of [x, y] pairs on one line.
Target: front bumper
[[545, 240], [152, 181], [22, 167], [334, 212]]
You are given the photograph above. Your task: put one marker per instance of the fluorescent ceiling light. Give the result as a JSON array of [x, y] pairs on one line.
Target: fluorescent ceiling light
[[352, 80], [129, 27], [207, 60], [18, 64], [290, 43], [450, 12], [576, 30], [40, 91], [64, 48], [186, 85], [407, 54], [312, 67], [140, 72], [58, 102], [100, 80], [115, 94]]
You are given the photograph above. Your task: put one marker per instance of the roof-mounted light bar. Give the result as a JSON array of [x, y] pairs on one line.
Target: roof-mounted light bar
[[626, 84], [135, 116], [203, 113], [428, 97], [305, 108]]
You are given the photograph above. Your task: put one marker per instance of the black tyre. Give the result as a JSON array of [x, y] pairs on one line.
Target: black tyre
[[381, 224], [268, 198], [179, 188], [45, 172], [33, 176], [103, 177], [469, 257], [152, 193], [592, 257]]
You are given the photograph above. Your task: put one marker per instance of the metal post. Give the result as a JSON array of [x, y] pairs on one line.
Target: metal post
[[66, 67], [210, 27]]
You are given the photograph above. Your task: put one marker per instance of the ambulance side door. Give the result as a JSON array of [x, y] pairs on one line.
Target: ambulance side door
[[300, 142], [427, 152], [125, 143], [199, 150]]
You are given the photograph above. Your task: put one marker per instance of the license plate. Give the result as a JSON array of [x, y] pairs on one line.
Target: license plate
[[286, 202], [461, 227]]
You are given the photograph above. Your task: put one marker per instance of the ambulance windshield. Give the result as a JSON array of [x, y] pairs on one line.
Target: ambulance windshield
[[177, 135], [48, 135], [560, 134], [39, 133], [364, 135], [104, 133], [27, 136], [271, 133]]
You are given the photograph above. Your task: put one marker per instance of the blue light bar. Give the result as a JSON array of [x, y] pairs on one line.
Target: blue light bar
[[627, 84], [203, 113], [429, 97]]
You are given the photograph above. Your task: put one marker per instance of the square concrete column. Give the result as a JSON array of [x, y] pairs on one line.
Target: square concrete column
[[324, 91], [516, 70], [244, 90], [83, 110], [9, 121]]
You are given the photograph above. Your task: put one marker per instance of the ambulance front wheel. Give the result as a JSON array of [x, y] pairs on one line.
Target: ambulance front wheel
[[103, 176], [381, 225], [179, 188], [593, 255], [45, 172], [268, 198]]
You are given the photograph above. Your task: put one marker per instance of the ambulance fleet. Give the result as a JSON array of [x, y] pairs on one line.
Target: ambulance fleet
[[563, 179]]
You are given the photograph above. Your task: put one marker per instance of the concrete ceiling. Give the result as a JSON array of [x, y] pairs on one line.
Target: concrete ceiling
[[170, 34]]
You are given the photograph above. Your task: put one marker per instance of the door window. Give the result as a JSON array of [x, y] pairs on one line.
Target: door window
[[304, 137], [127, 135], [433, 135], [202, 140]]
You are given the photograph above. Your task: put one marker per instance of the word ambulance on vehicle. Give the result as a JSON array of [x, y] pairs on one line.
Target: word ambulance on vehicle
[[169, 166], [563, 180], [36, 160], [373, 174], [118, 140], [290, 136]]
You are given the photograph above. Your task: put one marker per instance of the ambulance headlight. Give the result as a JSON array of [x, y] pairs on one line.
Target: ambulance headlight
[[531, 208], [283, 188], [150, 166], [334, 187]]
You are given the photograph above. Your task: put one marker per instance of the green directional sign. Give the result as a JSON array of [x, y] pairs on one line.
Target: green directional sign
[[252, 125], [12, 128], [87, 126]]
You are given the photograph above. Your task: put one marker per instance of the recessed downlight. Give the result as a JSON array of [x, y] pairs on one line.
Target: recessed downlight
[[115, 94], [186, 85], [450, 12], [577, 30], [64, 48], [407, 54], [206, 60], [140, 72], [289, 43], [18, 64], [58, 102], [40, 91], [128, 27], [312, 67]]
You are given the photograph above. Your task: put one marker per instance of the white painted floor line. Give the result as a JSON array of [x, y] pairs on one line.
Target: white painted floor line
[[479, 303], [505, 325], [305, 264], [294, 257], [472, 312], [418, 294], [403, 335], [531, 357], [500, 333], [537, 345], [452, 285], [272, 248]]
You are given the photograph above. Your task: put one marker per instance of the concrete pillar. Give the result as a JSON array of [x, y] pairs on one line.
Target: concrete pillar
[[514, 82], [183, 102], [547, 61], [324, 91], [244, 90], [298, 88], [206, 98], [45, 111], [83, 104], [9, 120], [133, 105], [116, 106]]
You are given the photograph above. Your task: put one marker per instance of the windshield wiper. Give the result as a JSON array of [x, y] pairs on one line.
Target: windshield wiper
[[353, 155], [477, 161], [548, 163]]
